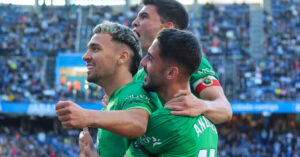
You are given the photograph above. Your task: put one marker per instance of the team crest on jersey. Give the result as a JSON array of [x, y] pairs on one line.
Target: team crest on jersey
[[207, 81]]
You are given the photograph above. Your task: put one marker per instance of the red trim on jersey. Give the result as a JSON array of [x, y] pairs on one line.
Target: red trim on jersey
[[200, 87]]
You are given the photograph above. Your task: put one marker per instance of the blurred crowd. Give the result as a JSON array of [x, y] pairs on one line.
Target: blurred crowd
[[17, 144], [258, 136], [28, 36], [28, 32], [41, 137], [222, 29], [249, 135], [22, 81], [277, 75]]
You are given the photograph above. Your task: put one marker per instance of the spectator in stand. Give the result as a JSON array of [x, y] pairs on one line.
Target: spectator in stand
[[224, 31], [26, 33]]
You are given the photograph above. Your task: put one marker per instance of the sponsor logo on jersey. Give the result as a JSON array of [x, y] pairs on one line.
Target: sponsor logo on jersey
[[206, 70], [141, 97], [144, 140]]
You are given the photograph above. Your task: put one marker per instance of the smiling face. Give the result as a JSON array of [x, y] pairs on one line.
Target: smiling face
[[147, 24], [100, 58], [154, 68]]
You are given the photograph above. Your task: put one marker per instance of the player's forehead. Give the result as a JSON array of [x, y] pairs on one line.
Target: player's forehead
[[154, 48], [100, 39], [149, 9]]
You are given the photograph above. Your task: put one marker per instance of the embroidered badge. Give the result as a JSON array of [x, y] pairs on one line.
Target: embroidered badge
[[207, 81]]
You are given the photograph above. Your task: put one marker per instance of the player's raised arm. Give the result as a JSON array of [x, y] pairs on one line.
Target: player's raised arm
[[207, 98], [128, 123]]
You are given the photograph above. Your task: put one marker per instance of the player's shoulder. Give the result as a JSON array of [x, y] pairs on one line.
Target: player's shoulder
[[140, 71], [163, 117], [205, 69], [134, 92], [139, 76], [134, 87]]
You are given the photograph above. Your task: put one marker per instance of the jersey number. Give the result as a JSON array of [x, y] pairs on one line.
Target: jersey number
[[203, 153]]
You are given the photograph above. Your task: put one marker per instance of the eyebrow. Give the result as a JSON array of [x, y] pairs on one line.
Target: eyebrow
[[143, 13], [93, 45], [149, 54]]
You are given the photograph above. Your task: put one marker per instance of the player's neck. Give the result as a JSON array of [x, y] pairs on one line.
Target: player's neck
[[118, 80], [171, 89]]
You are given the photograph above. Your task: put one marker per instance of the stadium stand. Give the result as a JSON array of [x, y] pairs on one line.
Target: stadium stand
[[25, 32], [41, 137], [223, 30], [256, 135], [30, 38]]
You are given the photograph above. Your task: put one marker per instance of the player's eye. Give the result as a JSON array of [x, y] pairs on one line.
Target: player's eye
[[95, 49], [150, 58], [143, 16]]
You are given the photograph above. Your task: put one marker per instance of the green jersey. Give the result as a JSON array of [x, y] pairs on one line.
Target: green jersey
[[177, 136], [205, 69], [130, 96]]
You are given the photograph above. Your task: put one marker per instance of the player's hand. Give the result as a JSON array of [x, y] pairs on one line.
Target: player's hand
[[71, 114], [185, 103], [86, 145], [105, 100]]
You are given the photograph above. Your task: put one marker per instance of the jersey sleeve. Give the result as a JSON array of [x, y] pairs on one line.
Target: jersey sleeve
[[204, 77], [139, 99]]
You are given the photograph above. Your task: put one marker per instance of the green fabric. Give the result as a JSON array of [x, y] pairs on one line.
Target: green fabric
[[205, 69], [140, 75], [177, 136], [130, 96]]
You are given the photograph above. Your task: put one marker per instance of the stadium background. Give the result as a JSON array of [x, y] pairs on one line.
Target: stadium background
[[253, 46]]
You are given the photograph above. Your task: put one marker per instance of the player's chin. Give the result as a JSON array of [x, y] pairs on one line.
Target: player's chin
[[145, 86], [148, 87]]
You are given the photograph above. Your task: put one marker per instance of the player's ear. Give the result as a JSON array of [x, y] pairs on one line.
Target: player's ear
[[124, 56], [172, 72], [168, 25]]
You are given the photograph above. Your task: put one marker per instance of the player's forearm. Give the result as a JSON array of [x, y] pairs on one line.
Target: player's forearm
[[218, 110], [126, 123]]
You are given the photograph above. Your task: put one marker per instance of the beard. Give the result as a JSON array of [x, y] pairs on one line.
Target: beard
[[92, 78], [151, 87], [153, 84]]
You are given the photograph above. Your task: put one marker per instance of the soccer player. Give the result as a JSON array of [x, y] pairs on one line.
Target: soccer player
[[112, 58], [206, 96], [171, 60]]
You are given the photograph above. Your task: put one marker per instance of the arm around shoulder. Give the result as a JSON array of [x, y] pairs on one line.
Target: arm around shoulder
[[218, 107], [130, 123]]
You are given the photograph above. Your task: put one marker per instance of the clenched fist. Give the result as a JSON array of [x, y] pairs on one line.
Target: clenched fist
[[71, 114]]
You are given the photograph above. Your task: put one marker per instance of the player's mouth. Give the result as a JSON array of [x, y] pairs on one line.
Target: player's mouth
[[90, 66], [146, 76], [137, 33]]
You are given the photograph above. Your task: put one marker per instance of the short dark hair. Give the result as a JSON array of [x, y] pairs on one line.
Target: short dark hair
[[124, 35], [171, 10], [181, 48]]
